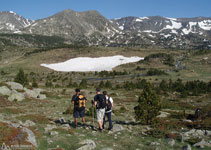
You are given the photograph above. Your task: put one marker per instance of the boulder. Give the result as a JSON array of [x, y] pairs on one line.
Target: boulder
[[5, 91], [16, 96], [31, 137], [35, 93], [54, 133], [30, 93], [163, 114], [194, 133], [42, 96], [187, 147], [202, 144], [15, 86], [171, 142], [49, 128], [29, 123], [117, 128], [154, 144], [87, 145]]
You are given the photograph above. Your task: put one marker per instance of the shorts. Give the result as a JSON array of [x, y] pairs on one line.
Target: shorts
[[100, 114], [77, 113]]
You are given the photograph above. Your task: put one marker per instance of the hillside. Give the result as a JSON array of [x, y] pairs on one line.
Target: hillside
[[91, 28]]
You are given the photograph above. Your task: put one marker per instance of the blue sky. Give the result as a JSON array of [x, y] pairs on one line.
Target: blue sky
[[38, 9]]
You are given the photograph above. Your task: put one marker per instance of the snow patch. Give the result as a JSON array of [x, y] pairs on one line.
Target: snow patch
[[12, 12], [174, 31], [205, 25], [139, 20], [187, 31], [18, 31], [166, 36], [34, 24], [175, 25], [86, 64], [10, 26], [121, 27], [174, 19]]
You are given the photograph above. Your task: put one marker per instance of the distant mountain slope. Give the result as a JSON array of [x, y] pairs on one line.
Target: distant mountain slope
[[91, 28], [88, 27], [12, 22]]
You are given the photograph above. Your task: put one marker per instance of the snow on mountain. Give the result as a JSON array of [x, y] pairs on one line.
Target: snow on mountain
[[86, 64], [205, 24]]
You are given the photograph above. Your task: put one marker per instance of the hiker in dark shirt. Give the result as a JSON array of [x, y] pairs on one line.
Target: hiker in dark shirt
[[100, 103], [79, 102], [108, 110]]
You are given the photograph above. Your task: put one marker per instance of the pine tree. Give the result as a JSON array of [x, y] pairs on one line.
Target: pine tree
[[34, 83], [102, 84], [108, 84], [164, 85], [149, 105], [21, 78], [83, 83]]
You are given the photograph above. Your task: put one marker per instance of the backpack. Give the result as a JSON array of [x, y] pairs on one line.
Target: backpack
[[101, 101], [108, 105], [81, 102]]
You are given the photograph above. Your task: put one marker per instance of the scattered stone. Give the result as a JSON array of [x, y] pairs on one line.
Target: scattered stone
[[5, 91], [49, 141], [42, 96], [29, 123], [107, 149], [202, 144], [16, 96], [155, 144], [163, 114], [87, 145], [117, 128], [1, 117], [171, 142], [194, 133], [129, 127], [186, 120], [187, 147], [65, 126], [54, 133], [49, 128], [15, 85]]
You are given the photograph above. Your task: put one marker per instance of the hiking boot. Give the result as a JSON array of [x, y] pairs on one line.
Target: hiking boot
[[101, 130], [74, 126], [109, 129]]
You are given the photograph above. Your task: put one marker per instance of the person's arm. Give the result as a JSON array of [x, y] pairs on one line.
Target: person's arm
[[112, 102], [73, 99], [95, 101]]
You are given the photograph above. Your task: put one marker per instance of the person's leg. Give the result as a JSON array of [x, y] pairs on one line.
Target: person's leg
[[75, 115], [104, 121], [110, 121], [76, 121], [100, 115], [82, 115]]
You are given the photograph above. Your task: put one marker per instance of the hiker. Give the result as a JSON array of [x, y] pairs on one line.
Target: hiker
[[100, 104], [79, 102], [108, 110]]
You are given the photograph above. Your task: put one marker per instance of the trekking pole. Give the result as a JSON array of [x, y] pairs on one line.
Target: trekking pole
[[93, 118]]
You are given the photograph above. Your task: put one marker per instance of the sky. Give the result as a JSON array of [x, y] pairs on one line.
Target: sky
[[38, 9]]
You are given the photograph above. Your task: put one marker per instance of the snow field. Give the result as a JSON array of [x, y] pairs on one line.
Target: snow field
[[86, 64]]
